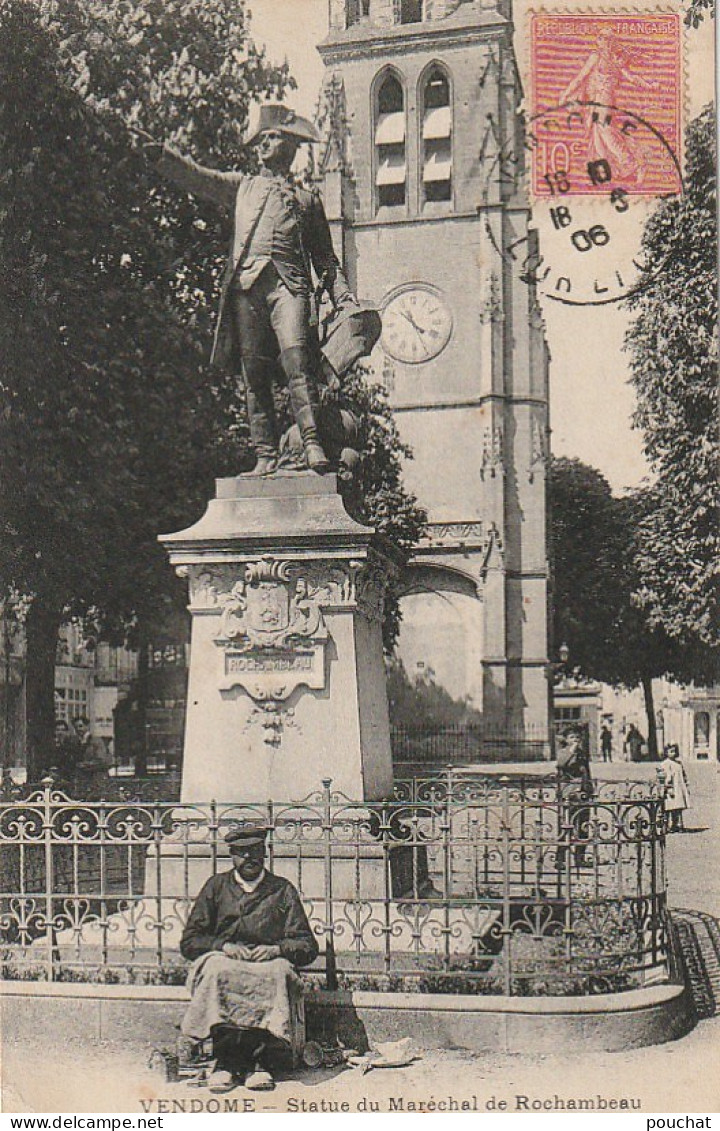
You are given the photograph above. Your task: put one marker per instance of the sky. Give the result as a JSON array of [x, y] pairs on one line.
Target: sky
[[591, 401]]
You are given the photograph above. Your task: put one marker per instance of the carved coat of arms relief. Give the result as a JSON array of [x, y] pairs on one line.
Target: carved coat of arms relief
[[272, 633], [273, 605]]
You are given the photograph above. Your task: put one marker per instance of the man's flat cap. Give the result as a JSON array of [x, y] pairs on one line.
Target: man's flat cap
[[274, 116], [246, 833]]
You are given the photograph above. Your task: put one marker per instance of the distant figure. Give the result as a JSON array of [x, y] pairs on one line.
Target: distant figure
[[671, 774], [575, 789], [9, 789], [91, 752], [67, 748], [634, 742], [606, 743]]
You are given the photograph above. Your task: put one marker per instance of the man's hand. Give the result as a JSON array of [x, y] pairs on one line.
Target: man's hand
[[237, 950], [263, 953]]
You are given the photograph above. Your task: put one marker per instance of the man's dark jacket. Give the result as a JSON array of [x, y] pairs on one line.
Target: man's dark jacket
[[270, 915]]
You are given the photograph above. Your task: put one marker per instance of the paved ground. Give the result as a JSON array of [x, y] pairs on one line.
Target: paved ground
[[678, 1077]]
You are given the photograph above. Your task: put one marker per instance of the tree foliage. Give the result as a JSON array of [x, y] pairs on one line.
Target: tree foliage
[[110, 429], [586, 550], [421, 704], [379, 496], [673, 350], [597, 545], [696, 11], [111, 426]]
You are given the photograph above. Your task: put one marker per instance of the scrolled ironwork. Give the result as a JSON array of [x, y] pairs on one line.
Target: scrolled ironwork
[[508, 884], [20, 823]]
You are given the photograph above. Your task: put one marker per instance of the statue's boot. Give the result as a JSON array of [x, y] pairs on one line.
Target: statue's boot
[[314, 451], [304, 401], [265, 465], [257, 373], [315, 456]]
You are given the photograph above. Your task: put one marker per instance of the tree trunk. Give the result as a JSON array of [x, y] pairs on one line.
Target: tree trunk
[[646, 682], [41, 631]]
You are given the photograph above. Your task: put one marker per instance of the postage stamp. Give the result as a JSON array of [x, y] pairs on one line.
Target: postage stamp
[[618, 80]]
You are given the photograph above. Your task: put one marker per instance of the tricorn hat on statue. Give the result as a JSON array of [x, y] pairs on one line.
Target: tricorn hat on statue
[[246, 833], [274, 116]]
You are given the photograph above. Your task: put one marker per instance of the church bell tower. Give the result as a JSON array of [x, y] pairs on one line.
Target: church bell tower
[[419, 99]]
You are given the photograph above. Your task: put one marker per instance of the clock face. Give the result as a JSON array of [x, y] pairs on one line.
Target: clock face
[[417, 324]]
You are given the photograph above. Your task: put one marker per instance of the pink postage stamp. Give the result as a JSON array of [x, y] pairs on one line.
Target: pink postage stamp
[[606, 103]]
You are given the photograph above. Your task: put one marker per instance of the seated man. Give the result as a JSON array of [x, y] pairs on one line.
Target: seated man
[[245, 934]]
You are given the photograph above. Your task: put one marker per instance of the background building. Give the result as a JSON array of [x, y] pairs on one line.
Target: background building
[[418, 100], [91, 678]]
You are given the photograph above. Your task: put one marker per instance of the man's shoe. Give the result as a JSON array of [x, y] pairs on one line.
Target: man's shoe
[[220, 1080], [259, 1080], [316, 459]]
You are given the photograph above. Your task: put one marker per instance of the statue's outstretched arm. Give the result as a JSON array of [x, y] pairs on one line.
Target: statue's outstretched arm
[[210, 184]]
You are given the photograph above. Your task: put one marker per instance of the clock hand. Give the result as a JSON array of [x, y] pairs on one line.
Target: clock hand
[[421, 338], [412, 321]]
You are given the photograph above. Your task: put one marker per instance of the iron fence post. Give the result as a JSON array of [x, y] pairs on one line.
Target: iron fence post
[[539, 854], [271, 827], [102, 832], [449, 779], [507, 957], [385, 818], [49, 879], [660, 879], [214, 828], [445, 827], [654, 918], [561, 848], [157, 836], [639, 892], [330, 964], [523, 830]]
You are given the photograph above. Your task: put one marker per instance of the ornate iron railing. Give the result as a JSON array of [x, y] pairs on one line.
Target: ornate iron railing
[[460, 883]]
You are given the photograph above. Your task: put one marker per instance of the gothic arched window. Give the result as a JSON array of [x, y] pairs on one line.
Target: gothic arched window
[[436, 137], [390, 156]]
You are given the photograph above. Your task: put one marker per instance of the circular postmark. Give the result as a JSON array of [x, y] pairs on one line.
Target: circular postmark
[[595, 174]]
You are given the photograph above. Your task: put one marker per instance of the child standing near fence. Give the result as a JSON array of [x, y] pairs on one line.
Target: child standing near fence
[[671, 773]]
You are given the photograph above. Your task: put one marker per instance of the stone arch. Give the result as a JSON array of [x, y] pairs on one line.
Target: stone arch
[[441, 632]]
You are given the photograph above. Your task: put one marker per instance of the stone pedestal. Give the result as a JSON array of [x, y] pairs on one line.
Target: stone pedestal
[[286, 684]]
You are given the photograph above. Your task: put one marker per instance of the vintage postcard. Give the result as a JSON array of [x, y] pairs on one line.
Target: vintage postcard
[[359, 699]]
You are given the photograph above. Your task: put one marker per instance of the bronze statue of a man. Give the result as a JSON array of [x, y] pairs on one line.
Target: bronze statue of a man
[[267, 324]]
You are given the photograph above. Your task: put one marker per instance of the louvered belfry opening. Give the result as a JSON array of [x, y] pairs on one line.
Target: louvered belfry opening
[[390, 150], [436, 138]]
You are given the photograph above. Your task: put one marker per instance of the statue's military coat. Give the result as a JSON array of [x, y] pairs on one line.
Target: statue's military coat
[[248, 196]]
